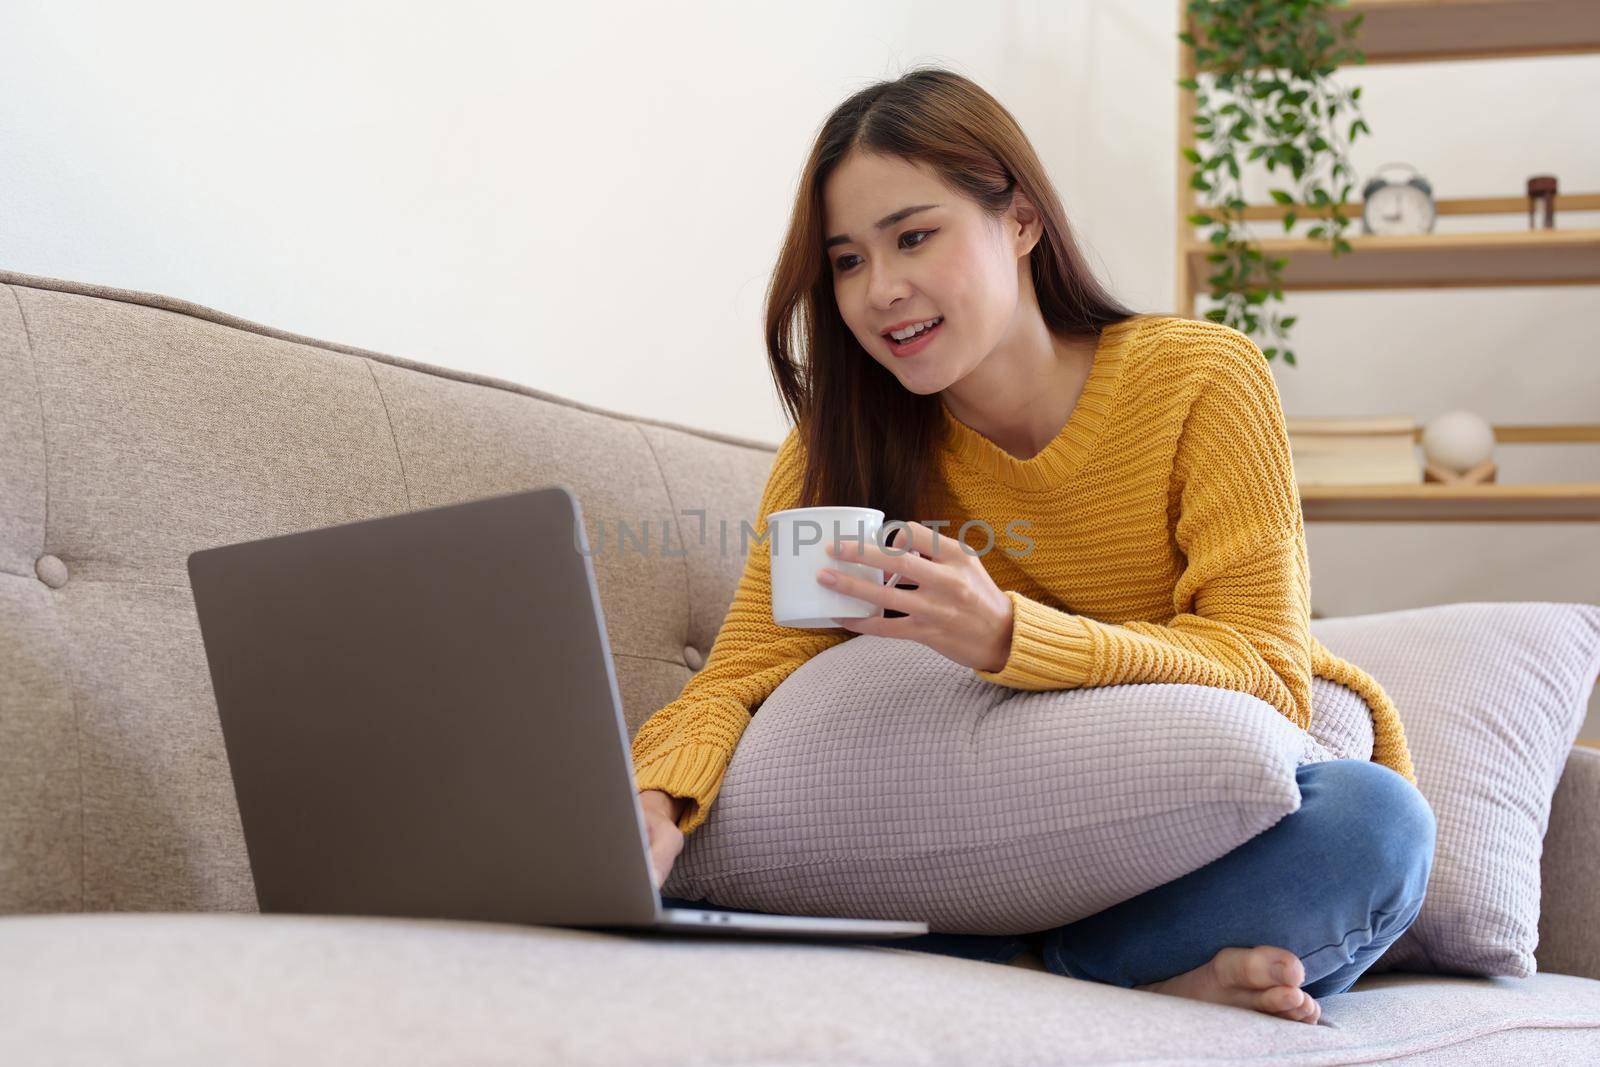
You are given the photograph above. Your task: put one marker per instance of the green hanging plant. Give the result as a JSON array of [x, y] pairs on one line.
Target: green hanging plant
[[1269, 94]]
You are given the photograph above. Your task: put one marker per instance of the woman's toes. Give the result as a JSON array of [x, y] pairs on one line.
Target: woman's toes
[[1285, 967], [1261, 967], [1281, 1000], [1308, 1011]]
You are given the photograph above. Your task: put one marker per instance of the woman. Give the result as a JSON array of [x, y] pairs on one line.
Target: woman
[[1150, 455]]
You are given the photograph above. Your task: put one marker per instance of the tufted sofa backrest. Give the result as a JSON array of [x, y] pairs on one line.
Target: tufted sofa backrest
[[136, 428]]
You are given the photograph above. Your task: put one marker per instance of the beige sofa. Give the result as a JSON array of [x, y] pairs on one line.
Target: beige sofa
[[135, 428]]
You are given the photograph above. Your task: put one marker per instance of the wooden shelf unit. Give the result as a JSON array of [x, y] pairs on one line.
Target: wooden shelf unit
[[1415, 31]]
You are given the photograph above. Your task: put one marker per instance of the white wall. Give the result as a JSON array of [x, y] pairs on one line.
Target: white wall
[[508, 189]]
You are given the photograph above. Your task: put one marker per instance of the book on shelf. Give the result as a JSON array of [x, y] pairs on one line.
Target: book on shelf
[[1332, 471], [1342, 425], [1372, 450]]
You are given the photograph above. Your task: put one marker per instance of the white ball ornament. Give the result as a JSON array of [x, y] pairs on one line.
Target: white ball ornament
[[1457, 441]]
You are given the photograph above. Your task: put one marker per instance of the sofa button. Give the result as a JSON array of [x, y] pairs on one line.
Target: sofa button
[[51, 571], [692, 658]]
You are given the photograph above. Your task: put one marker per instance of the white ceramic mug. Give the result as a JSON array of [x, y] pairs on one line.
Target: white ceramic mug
[[796, 541]]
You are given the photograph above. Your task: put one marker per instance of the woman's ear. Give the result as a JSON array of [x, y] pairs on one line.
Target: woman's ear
[[1028, 227]]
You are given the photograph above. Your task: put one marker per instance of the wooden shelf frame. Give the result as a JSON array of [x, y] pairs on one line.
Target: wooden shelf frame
[[1412, 31]]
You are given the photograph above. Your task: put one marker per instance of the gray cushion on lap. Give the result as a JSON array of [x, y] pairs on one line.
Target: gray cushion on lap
[[1341, 724], [1492, 696], [883, 780]]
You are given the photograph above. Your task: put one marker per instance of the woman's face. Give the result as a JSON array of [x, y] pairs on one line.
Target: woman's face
[[947, 261]]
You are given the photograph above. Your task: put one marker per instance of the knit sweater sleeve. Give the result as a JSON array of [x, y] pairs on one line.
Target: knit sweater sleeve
[[684, 748], [1242, 605]]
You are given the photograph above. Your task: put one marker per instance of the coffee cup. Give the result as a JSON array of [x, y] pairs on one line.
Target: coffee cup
[[797, 539]]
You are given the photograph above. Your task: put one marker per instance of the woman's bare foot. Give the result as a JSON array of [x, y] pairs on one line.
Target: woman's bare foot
[[1248, 978]]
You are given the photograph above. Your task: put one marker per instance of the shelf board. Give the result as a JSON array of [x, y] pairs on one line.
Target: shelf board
[[1465, 205], [1426, 261], [1413, 31], [1436, 502], [1543, 433], [1432, 31]]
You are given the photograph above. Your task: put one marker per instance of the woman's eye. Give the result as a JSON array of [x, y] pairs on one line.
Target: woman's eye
[[842, 265]]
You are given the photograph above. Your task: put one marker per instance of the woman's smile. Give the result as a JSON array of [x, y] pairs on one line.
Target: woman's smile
[[917, 343]]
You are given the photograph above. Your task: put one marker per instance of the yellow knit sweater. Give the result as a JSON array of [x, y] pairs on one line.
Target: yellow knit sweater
[[1167, 545]]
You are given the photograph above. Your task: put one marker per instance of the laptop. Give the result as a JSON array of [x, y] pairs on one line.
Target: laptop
[[422, 719]]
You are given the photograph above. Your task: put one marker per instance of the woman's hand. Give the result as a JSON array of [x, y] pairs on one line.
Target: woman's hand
[[661, 813], [956, 609]]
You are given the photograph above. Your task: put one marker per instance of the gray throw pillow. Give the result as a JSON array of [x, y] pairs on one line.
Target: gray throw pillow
[[883, 780], [1492, 696]]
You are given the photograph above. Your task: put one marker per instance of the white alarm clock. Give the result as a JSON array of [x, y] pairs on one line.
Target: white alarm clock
[[1389, 207]]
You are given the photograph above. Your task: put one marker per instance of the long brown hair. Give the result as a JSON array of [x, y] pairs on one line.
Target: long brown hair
[[868, 440]]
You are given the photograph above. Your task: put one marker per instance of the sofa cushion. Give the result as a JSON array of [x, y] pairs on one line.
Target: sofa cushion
[[1569, 871], [1492, 696], [882, 779], [136, 428], [177, 990]]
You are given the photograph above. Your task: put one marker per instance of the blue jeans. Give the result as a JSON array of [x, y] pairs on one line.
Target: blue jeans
[[1335, 882]]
